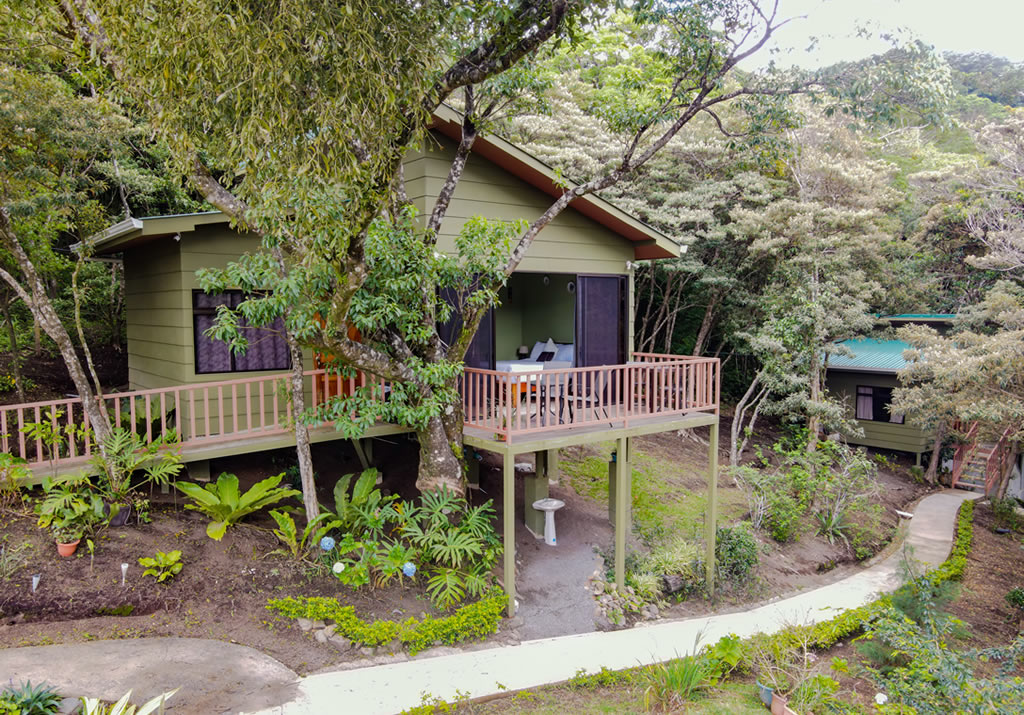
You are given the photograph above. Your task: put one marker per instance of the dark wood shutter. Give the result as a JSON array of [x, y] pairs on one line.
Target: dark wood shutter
[[481, 350], [600, 320]]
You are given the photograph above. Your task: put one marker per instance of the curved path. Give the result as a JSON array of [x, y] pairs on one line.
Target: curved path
[[389, 689], [217, 677]]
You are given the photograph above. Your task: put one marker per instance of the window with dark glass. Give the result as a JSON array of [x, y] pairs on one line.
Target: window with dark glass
[[268, 349], [873, 403]]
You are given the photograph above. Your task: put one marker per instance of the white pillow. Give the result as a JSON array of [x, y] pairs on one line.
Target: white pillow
[[550, 347], [565, 353]]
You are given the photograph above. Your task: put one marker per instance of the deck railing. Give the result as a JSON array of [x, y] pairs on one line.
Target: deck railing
[[505, 403], [206, 413], [964, 449], [519, 403], [997, 462]]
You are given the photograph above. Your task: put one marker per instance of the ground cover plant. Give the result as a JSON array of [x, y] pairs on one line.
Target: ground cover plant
[[225, 504]]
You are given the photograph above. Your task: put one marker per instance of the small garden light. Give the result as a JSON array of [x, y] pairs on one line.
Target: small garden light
[[124, 572], [409, 569], [35, 581], [327, 543]]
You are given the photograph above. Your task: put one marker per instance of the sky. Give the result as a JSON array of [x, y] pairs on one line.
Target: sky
[[992, 26]]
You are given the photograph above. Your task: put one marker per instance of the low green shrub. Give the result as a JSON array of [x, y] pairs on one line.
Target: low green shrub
[[31, 699], [668, 686], [735, 552], [1015, 597], [603, 678], [1006, 514], [475, 620], [163, 566]]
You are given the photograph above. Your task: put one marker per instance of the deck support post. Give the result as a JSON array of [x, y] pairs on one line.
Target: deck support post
[[508, 518], [199, 470], [535, 486], [622, 503], [550, 465], [361, 453], [711, 515], [472, 469]]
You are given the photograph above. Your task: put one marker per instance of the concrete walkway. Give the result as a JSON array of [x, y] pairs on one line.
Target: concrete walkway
[[218, 677], [211, 676], [389, 689]]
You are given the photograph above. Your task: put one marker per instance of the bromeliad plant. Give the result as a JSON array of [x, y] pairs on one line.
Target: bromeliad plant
[[296, 544], [163, 566], [225, 504]]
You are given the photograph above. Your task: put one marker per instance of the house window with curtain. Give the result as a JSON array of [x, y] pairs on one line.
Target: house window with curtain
[[268, 349], [873, 404]]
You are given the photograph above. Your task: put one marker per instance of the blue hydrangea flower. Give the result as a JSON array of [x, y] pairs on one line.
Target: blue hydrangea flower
[[327, 543], [409, 569]]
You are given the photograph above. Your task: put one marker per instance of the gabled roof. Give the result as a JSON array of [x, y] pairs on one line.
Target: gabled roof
[[651, 243], [870, 355], [648, 242], [920, 318]]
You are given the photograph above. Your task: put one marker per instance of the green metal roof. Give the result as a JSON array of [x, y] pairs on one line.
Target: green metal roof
[[870, 355], [935, 317]]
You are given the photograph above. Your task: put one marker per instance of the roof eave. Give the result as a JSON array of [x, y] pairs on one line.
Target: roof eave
[[649, 242]]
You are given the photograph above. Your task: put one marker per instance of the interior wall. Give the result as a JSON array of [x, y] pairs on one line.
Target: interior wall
[[531, 311]]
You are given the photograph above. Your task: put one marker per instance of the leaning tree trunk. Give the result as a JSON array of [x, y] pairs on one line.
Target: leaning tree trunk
[[33, 292], [302, 449], [932, 473], [440, 458]]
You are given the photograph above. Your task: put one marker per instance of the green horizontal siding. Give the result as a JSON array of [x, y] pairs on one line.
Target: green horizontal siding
[[880, 435]]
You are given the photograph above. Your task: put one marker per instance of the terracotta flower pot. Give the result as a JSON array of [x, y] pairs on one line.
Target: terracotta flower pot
[[67, 549]]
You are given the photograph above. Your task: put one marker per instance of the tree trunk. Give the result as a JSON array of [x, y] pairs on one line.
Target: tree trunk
[[12, 336], [302, 449], [813, 420], [440, 458], [38, 302], [753, 397], [705, 325], [931, 475]]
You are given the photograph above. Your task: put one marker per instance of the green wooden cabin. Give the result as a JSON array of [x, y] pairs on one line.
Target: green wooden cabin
[[864, 383]]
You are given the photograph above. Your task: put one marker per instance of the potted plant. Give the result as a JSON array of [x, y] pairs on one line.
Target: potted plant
[[67, 535], [70, 509]]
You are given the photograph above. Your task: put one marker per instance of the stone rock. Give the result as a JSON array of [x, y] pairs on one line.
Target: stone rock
[[321, 635], [330, 630], [368, 651], [524, 468], [69, 706], [649, 612], [305, 624], [340, 642], [319, 624], [512, 623], [673, 583]]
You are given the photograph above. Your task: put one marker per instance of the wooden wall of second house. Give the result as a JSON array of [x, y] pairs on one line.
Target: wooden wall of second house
[[881, 435]]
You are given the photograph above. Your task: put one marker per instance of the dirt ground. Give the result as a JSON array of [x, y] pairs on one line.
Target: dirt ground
[[51, 378], [223, 589]]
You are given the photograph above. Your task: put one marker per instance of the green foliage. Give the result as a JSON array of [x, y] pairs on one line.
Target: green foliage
[[8, 706], [92, 706], [163, 566], [297, 545], [603, 678], [126, 453], [646, 584], [31, 699], [13, 472], [1006, 514], [225, 504], [457, 545], [472, 621], [8, 384], [70, 508], [735, 552], [668, 686], [1015, 597], [359, 511]]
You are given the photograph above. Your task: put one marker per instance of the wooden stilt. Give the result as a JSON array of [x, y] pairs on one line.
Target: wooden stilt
[[711, 516], [508, 500], [622, 499]]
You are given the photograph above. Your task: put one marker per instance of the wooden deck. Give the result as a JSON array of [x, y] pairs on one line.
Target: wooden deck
[[505, 412]]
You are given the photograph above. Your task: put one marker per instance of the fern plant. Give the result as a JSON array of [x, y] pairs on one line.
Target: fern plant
[[457, 544], [125, 453], [225, 504], [296, 544]]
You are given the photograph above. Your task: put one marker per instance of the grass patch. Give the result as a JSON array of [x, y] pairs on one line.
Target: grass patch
[[662, 507]]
